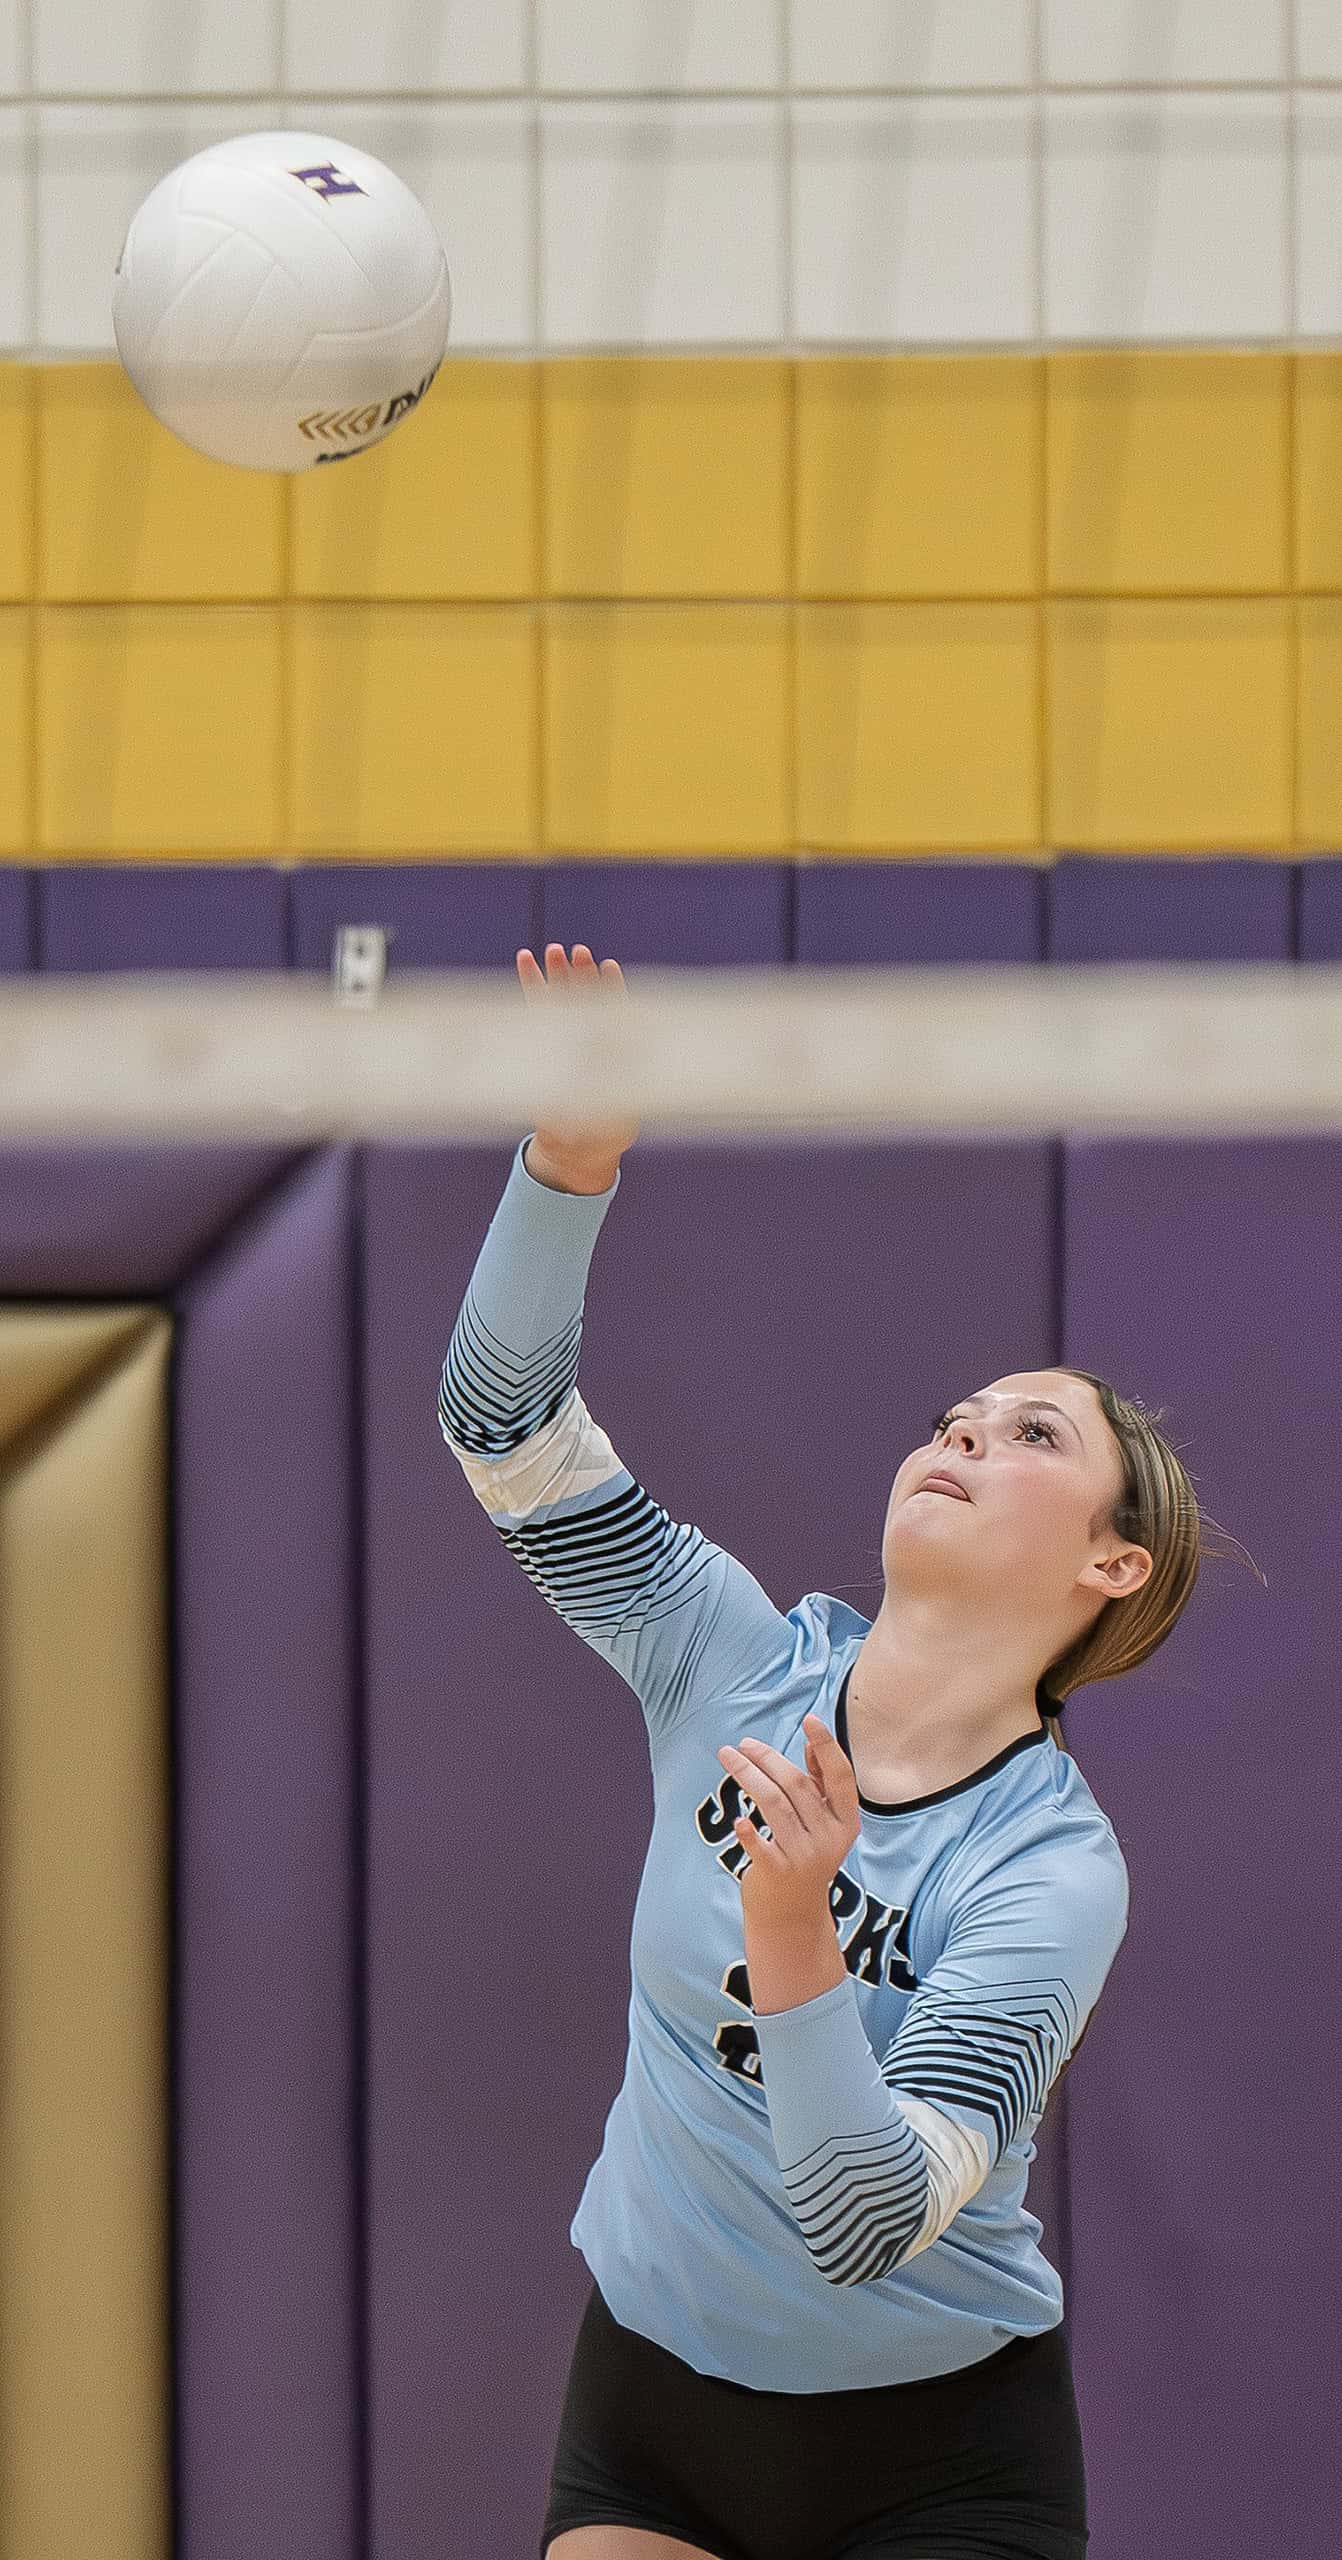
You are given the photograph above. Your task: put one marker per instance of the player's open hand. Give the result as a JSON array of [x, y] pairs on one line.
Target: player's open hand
[[813, 1814], [578, 1144]]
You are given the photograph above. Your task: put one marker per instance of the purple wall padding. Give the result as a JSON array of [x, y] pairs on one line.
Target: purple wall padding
[[1206, 2262], [1120, 909], [16, 921], [120, 1221], [439, 915], [267, 2131], [768, 1397], [671, 914], [919, 914], [177, 915], [1320, 910]]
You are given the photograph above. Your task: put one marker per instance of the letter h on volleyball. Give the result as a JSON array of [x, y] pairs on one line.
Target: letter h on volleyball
[[328, 184]]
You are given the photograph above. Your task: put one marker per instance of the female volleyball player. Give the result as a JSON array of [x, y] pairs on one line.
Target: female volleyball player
[[878, 1907]]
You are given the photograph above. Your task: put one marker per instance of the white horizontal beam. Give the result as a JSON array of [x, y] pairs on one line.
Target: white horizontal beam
[[767, 1053]]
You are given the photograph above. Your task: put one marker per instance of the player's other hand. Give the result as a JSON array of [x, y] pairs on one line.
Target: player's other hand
[[813, 1814]]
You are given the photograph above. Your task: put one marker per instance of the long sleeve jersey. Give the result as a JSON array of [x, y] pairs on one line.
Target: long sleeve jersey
[[830, 2197]]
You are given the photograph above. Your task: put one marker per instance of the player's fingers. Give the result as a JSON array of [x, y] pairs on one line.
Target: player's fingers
[[559, 970], [567, 973], [792, 1782], [775, 1803]]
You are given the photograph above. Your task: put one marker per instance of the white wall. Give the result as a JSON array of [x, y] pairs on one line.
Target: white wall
[[747, 173]]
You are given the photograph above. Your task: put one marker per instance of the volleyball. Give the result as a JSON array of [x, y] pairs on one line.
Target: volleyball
[[281, 300]]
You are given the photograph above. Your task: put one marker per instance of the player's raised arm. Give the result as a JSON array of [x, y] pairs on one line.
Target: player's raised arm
[[679, 1618]]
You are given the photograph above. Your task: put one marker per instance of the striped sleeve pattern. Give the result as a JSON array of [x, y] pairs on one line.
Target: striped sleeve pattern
[[876, 2161], [995, 2058], [864, 2205], [873, 2196], [675, 1615], [871, 2179], [595, 1544]]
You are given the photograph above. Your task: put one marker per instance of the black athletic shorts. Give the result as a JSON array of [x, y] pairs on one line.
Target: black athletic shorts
[[984, 2464]]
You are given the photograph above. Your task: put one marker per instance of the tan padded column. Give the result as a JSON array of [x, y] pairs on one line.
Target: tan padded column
[[84, 2302]]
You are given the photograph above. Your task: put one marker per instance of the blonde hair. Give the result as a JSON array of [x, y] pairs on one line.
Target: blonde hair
[[1158, 1509]]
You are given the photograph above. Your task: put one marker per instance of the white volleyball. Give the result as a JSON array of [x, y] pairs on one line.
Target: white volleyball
[[281, 300]]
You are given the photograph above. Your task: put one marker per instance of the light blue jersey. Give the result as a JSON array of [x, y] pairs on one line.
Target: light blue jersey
[[831, 2197]]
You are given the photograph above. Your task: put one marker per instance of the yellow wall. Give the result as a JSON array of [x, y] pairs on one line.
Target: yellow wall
[[1004, 605]]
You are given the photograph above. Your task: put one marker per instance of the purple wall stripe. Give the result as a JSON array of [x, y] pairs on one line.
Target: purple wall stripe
[[17, 938], [190, 915], [1108, 908], [919, 914], [665, 914], [1119, 910], [1320, 892], [439, 915]]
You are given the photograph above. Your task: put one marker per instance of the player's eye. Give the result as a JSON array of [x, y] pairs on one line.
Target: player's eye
[[1026, 1421]]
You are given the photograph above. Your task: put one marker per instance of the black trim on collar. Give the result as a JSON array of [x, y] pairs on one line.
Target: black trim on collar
[[916, 1804]]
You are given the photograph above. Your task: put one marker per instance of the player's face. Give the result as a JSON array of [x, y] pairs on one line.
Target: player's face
[[1040, 1465]]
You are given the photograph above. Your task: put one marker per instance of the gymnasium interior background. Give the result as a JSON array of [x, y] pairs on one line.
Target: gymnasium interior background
[[880, 504]]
